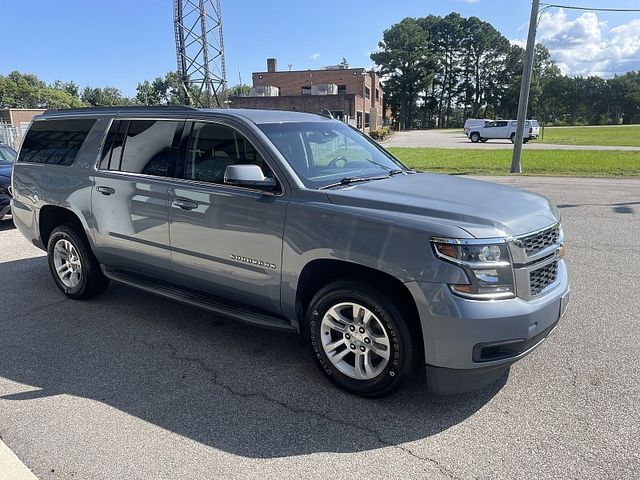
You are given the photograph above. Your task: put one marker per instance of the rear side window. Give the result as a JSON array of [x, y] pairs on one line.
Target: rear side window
[[55, 142], [140, 146]]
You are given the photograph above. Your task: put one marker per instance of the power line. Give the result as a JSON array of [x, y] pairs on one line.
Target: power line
[[590, 9]]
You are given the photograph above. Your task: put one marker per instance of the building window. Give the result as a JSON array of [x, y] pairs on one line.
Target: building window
[[306, 90], [377, 95], [367, 92], [359, 120], [342, 89], [366, 120]]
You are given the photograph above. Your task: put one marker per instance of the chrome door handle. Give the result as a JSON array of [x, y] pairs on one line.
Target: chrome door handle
[[106, 190], [185, 204]]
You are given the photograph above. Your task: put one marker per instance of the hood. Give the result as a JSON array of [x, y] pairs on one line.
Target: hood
[[481, 208]]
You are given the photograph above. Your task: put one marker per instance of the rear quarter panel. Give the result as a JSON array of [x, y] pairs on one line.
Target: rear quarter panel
[[37, 185]]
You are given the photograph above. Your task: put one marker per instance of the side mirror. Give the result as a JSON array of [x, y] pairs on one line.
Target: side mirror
[[248, 176]]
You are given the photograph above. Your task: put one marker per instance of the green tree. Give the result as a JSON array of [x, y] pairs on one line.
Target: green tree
[[104, 97], [161, 91], [407, 66], [240, 90], [20, 90]]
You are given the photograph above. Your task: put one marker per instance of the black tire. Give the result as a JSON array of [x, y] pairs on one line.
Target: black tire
[[401, 352], [92, 281], [474, 137], [525, 140], [513, 138], [484, 140]]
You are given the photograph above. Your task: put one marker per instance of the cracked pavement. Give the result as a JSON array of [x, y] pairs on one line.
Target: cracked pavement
[[129, 385]]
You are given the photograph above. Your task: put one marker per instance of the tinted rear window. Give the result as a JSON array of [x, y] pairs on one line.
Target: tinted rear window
[[55, 142]]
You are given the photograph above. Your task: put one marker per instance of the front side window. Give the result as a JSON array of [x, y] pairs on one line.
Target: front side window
[[213, 147], [140, 146], [7, 155], [322, 153], [55, 142]]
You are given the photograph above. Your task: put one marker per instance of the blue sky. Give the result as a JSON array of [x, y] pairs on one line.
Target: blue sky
[[121, 42]]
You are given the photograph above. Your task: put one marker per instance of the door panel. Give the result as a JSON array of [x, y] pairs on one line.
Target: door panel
[[226, 241], [131, 195], [229, 244], [132, 223]]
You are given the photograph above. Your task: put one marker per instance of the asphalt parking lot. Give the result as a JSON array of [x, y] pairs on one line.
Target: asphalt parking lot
[[457, 139], [129, 385]]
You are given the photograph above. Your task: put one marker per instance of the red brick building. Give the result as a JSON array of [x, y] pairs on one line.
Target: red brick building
[[350, 94]]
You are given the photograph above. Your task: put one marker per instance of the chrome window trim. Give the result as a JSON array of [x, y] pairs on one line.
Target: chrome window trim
[[96, 168]]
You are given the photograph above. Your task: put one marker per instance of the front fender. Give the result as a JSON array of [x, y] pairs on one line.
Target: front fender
[[388, 242]]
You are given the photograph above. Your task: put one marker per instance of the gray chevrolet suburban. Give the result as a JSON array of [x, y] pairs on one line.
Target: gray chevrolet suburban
[[297, 222]]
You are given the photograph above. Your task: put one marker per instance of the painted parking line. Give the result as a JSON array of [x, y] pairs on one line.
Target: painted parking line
[[11, 468]]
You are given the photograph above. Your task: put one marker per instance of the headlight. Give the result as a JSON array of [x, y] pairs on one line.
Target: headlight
[[487, 265]]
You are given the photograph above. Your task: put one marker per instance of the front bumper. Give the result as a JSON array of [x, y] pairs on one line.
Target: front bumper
[[470, 343]]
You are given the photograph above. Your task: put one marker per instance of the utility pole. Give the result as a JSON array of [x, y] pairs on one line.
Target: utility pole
[[516, 166]]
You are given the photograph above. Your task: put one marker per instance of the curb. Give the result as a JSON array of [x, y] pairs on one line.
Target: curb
[[11, 466]]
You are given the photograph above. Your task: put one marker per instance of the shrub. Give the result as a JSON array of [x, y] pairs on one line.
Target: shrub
[[381, 133]]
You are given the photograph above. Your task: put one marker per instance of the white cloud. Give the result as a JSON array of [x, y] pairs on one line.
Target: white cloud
[[314, 56], [471, 1], [587, 46]]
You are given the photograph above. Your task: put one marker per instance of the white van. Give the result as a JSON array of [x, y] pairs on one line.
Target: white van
[[504, 129]]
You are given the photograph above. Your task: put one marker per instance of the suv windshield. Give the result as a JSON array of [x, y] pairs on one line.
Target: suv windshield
[[322, 153], [7, 155]]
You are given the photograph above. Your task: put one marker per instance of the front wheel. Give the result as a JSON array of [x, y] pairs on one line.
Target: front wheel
[[475, 137], [359, 339]]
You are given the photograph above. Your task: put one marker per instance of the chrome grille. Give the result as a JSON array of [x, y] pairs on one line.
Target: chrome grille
[[537, 242], [543, 277]]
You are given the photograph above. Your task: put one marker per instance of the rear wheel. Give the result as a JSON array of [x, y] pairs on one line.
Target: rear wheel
[[73, 266], [484, 140], [525, 140], [475, 137], [359, 339], [513, 138]]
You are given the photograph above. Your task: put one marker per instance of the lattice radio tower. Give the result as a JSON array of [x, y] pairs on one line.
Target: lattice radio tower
[[200, 52]]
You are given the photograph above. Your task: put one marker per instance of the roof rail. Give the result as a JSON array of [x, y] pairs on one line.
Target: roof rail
[[117, 109]]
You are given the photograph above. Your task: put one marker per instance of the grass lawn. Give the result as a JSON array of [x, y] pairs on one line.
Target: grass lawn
[[621, 136], [584, 163]]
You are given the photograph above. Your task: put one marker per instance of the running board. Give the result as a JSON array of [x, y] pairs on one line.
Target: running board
[[223, 307]]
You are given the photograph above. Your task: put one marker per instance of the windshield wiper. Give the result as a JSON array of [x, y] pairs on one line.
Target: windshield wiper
[[350, 180]]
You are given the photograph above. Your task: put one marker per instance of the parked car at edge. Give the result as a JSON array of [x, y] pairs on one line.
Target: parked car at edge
[[7, 159], [297, 222], [503, 129], [473, 122]]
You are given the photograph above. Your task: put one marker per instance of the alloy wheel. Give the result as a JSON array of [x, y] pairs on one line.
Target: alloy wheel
[[355, 340], [67, 263]]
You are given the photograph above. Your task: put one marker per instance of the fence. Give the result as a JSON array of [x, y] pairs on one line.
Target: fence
[[12, 135]]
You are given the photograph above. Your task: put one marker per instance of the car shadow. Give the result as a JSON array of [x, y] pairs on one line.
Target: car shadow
[[6, 224], [622, 208], [237, 388]]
